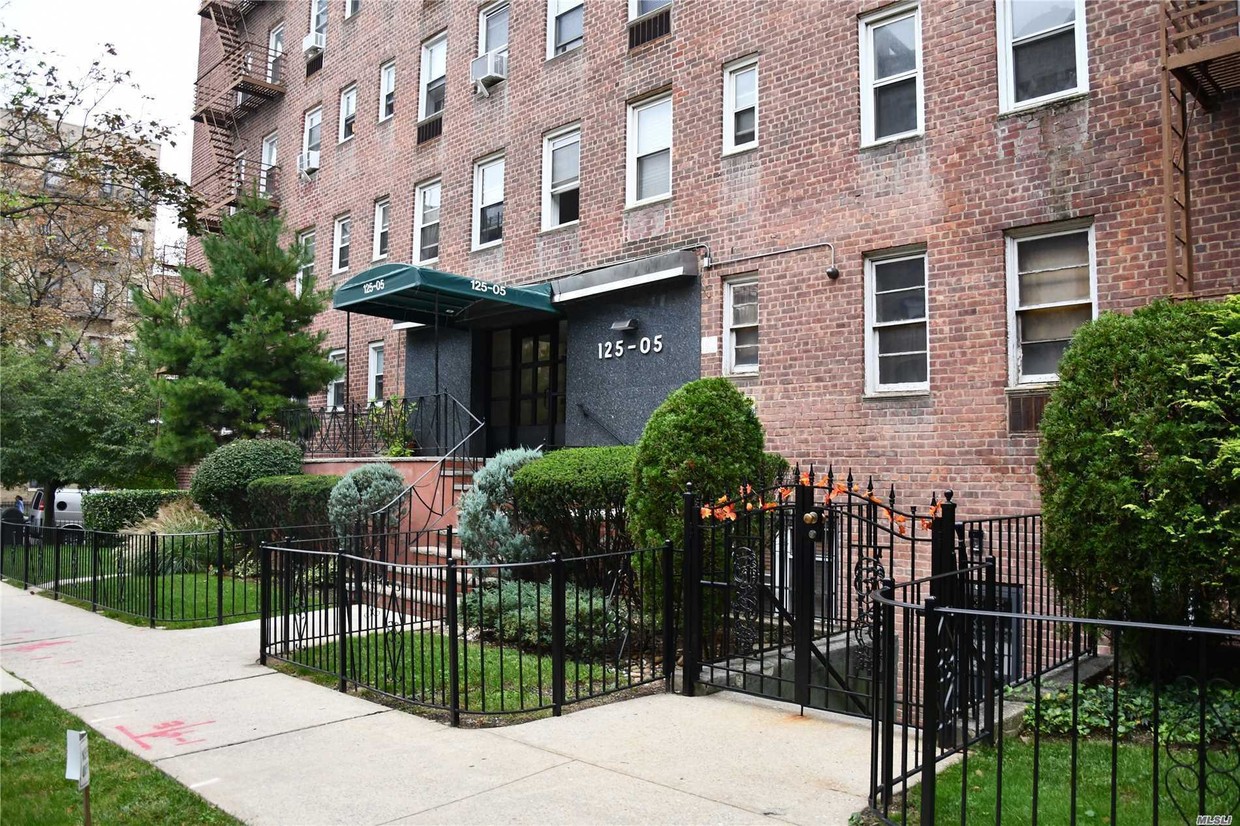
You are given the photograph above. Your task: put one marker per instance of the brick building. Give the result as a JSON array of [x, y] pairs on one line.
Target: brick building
[[677, 183]]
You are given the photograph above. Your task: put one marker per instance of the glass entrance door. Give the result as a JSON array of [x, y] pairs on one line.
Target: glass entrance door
[[526, 384]]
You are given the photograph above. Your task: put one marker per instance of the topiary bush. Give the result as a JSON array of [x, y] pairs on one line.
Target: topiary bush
[[572, 501], [706, 434], [488, 520], [220, 484], [287, 501], [1140, 465], [114, 510], [360, 493]]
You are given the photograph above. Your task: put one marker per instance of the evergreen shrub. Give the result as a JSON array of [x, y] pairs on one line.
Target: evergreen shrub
[[573, 500], [488, 521], [110, 511], [360, 493], [289, 501], [220, 484]]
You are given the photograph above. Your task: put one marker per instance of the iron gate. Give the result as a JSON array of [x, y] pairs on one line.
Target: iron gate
[[778, 585]]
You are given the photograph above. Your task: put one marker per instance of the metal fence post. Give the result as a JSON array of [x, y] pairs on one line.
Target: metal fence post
[[94, 570], [26, 555], [803, 591], [56, 562], [558, 623], [689, 604], [151, 568], [454, 642], [264, 601], [219, 577], [888, 660], [669, 621], [929, 708], [991, 655], [342, 637]]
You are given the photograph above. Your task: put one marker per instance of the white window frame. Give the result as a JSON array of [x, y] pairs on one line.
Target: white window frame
[[419, 220], [484, 13], [351, 7], [424, 78], [1007, 76], [371, 374], [138, 235], [336, 387], [872, 326], [307, 268], [554, 140], [315, 114], [342, 224], [730, 367], [866, 26], [630, 154], [387, 85], [317, 24], [383, 224], [348, 107], [268, 160], [1012, 240], [633, 7], [275, 51], [729, 104], [479, 167], [555, 10]]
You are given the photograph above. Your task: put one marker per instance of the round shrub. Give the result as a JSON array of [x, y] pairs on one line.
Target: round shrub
[[488, 518], [360, 493], [289, 501], [706, 434], [219, 486], [572, 501], [110, 511], [1140, 465]]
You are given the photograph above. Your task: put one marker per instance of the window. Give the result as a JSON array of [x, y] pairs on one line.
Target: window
[[426, 218], [336, 387], [897, 354], [1041, 51], [348, 112], [311, 134], [98, 296], [275, 54], [565, 26], [318, 16], [561, 177], [238, 181], [306, 272], [137, 243], [493, 29], [641, 8], [1051, 292], [382, 212], [387, 90], [891, 88], [488, 202], [740, 106], [351, 7], [375, 372], [650, 151], [433, 79], [267, 173], [54, 175], [740, 324], [340, 244]]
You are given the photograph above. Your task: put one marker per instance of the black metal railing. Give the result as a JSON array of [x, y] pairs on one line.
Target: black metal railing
[[422, 426], [166, 579], [1113, 721], [470, 640]]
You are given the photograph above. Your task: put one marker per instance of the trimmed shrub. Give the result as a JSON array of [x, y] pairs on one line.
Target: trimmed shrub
[[360, 493], [1140, 465], [572, 501], [220, 483], [519, 613], [288, 501], [114, 510], [488, 519], [706, 434]]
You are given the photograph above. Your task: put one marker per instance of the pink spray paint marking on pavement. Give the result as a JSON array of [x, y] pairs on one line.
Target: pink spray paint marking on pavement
[[39, 646], [175, 730]]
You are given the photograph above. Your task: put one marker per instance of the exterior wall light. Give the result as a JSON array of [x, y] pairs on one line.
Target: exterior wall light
[[625, 325]]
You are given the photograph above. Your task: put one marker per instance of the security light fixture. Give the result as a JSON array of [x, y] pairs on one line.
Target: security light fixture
[[624, 325], [833, 272]]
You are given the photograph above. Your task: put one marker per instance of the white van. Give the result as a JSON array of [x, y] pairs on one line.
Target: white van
[[68, 512]]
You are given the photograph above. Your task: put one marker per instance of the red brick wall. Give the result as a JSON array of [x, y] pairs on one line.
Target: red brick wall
[[956, 190]]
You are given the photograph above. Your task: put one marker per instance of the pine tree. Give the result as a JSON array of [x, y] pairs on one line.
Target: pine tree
[[233, 347]]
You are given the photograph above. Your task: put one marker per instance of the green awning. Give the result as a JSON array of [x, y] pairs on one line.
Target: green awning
[[404, 292]]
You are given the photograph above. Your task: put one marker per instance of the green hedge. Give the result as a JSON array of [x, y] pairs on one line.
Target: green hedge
[[287, 501], [221, 482], [572, 501], [114, 510], [519, 613]]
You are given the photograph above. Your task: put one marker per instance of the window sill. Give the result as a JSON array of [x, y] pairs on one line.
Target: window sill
[[339, 272], [894, 395], [378, 258], [388, 119], [343, 141], [560, 227], [662, 199], [1066, 99], [575, 50], [1032, 388], [904, 137], [737, 151], [490, 245], [427, 263], [747, 375]]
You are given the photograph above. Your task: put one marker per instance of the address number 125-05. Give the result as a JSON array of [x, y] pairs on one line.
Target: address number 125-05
[[616, 349]]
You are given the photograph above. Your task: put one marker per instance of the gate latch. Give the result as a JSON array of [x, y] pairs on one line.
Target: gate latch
[[810, 518]]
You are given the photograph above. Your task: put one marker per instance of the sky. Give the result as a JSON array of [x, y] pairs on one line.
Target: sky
[[156, 40]]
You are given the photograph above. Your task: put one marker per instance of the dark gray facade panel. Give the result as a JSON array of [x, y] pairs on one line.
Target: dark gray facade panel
[[455, 363]]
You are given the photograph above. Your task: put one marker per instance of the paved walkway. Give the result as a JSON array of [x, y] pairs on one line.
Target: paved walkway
[[271, 748]]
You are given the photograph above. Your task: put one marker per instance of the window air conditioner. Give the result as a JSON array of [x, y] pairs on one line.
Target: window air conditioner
[[313, 44], [308, 162], [489, 69]]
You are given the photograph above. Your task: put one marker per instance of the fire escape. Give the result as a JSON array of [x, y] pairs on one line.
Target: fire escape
[[1201, 59], [248, 75]]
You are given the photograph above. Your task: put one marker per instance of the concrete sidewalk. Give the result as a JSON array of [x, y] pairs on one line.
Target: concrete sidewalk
[[271, 748]]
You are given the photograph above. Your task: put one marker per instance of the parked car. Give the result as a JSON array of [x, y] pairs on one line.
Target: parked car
[[68, 513]]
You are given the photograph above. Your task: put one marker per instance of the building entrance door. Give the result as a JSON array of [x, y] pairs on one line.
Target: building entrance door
[[526, 379]]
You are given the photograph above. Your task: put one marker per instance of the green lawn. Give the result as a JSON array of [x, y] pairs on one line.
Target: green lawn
[[415, 665], [1134, 786], [181, 600], [123, 788]]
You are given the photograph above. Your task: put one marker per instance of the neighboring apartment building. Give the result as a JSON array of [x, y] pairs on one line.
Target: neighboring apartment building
[[882, 220]]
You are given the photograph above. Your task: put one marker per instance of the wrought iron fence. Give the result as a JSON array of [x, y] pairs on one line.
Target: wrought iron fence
[[1117, 722], [167, 579], [486, 641], [427, 426]]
